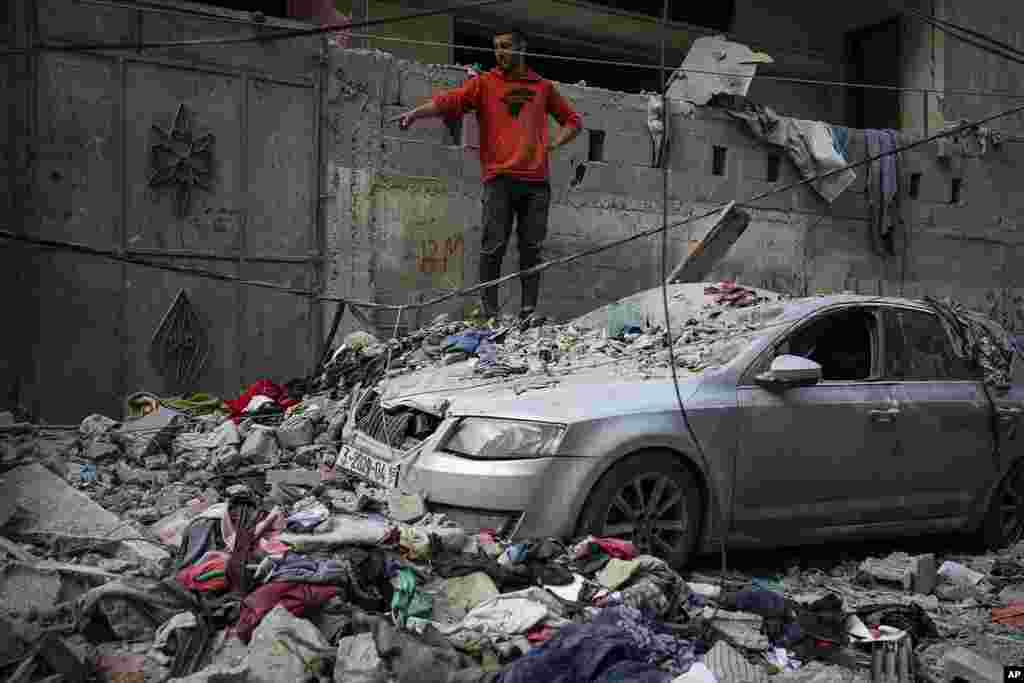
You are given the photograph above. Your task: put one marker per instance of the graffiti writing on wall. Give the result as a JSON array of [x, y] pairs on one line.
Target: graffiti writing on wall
[[436, 256]]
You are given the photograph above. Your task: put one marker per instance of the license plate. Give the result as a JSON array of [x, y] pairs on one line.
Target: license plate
[[368, 467]]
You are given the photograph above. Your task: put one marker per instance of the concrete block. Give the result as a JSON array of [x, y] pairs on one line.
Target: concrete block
[[150, 434], [295, 432], [52, 506], [912, 573], [302, 477], [966, 666]]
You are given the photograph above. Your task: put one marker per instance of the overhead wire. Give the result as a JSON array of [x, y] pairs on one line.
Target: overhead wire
[[984, 42], [597, 61], [348, 26], [541, 267], [270, 36]]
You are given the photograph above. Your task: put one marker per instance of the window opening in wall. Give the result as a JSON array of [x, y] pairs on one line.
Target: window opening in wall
[[718, 160], [954, 195], [871, 53], [581, 170], [915, 185], [596, 140], [774, 162], [454, 127]]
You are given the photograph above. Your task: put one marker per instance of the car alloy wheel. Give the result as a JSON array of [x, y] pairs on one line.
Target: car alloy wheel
[[650, 511], [650, 498]]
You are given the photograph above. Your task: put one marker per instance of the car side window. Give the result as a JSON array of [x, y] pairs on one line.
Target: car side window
[[841, 342], [918, 348]]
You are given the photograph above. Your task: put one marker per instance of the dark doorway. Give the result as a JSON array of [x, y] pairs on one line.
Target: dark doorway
[[873, 56]]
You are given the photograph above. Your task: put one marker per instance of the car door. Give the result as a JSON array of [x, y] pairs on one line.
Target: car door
[[1009, 405], [818, 456], [947, 455]]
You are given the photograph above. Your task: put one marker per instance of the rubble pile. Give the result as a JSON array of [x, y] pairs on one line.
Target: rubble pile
[[201, 539]]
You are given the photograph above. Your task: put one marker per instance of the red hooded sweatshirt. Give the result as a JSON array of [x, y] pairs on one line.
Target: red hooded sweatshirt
[[513, 118]]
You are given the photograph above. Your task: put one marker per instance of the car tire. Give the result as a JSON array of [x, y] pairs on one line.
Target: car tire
[[651, 499], [1004, 520]]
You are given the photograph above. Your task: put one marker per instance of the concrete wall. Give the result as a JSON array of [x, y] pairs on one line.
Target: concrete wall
[[403, 221]]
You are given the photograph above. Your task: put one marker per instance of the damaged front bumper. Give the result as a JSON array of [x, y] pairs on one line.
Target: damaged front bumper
[[526, 497]]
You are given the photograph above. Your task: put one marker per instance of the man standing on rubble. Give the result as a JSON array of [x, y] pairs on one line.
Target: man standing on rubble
[[512, 105]]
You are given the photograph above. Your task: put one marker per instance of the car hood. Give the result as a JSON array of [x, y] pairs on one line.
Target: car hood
[[572, 395]]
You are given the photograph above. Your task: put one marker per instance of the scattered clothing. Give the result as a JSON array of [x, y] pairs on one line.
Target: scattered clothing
[[617, 572], [297, 598], [617, 548], [619, 644], [809, 144], [841, 141], [883, 188], [299, 569], [728, 293], [264, 387], [729, 666], [467, 342], [207, 575], [408, 601]]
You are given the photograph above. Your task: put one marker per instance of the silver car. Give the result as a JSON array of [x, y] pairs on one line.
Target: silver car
[[825, 417]]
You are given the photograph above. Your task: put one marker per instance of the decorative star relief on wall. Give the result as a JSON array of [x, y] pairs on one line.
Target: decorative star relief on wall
[[182, 160], [180, 347]]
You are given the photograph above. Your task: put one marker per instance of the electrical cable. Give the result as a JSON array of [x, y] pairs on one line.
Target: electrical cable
[[641, 65], [289, 33], [949, 27], [541, 267], [283, 34], [668, 317]]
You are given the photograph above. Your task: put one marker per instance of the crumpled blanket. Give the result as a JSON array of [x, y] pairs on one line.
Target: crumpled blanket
[[809, 144], [297, 598], [619, 644], [978, 339]]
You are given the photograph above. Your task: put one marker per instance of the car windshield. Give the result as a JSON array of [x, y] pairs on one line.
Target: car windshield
[[723, 351]]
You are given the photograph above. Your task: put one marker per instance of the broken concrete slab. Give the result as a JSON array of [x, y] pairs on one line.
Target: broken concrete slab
[[303, 477], [967, 665], [295, 432], [25, 589], [132, 475], [260, 446], [911, 573], [150, 434], [50, 505], [285, 648]]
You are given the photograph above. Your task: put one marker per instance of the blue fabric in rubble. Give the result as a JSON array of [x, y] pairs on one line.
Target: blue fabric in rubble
[[468, 341], [620, 644]]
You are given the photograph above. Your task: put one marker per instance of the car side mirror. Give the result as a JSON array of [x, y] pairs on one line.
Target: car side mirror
[[790, 371]]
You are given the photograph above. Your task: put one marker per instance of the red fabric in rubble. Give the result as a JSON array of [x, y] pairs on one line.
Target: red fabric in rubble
[[264, 387], [297, 598], [617, 548]]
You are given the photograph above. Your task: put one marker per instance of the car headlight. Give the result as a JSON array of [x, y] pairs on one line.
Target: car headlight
[[477, 437]]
